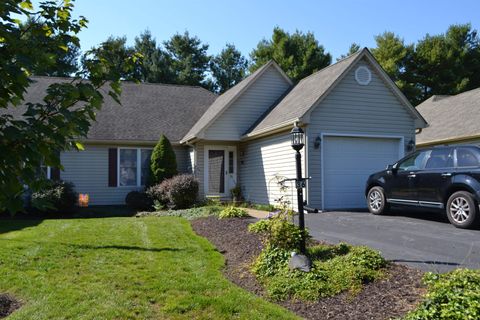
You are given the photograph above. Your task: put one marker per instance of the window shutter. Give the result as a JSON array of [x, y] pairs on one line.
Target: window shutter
[[55, 174], [112, 167]]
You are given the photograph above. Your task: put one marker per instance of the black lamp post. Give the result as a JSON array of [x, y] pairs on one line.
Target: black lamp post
[[297, 139]]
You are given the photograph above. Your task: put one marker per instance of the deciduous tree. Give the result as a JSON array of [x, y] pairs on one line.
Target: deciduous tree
[[63, 117]]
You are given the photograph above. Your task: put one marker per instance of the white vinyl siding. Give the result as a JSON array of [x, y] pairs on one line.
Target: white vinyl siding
[[88, 170], [249, 107], [261, 161], [355, 109]]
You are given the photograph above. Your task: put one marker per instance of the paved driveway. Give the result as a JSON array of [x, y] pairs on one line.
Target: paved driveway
[[422, 240]]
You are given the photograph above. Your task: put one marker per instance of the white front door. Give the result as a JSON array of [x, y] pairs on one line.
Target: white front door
[[220, 170]]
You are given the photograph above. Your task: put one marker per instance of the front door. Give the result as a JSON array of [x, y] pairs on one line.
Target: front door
[[220, 170]]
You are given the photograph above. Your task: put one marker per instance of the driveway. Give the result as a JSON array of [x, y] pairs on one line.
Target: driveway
[[422, 240]]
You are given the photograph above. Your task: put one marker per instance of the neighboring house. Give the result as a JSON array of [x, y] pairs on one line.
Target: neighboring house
[[355, 119], [452, 119]]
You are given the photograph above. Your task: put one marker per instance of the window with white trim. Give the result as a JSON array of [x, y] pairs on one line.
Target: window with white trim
[[45, 171], [133, 166]]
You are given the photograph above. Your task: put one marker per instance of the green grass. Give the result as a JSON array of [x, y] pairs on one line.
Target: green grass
[[120, 268]]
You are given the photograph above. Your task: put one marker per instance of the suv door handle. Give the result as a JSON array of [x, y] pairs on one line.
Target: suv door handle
[[447, 174], [412, 175]]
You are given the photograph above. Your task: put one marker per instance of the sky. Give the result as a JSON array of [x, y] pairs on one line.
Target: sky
[[335, 24]]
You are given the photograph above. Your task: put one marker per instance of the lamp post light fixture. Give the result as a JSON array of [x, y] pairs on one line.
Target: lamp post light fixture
[[297, 139]]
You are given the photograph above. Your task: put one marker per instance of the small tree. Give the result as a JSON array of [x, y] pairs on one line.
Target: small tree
[[163, 162]]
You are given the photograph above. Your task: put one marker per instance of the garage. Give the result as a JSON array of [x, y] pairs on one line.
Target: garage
[[347, 163]]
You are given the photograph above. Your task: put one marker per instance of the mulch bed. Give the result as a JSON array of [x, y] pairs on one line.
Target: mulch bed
[[388, 298], [8, 304]]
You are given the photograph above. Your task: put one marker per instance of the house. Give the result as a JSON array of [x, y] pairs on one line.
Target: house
[[452, 119], [356, 121]]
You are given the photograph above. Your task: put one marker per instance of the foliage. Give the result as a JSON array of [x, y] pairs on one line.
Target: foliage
[[115, 50], [120, 268], [335, 269], [232, 212], [163, 161], [453, 295], [179, 192], [138, 200], [59, 62], [236, 192], [55, 197], [442, 64], [189, 214], [155, 65], [354, 47], [279, 232], [228, 68], [57, 122], [270, 261], [188, 58], [298, 54]]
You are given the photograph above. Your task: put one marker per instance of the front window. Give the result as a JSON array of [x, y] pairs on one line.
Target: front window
[[133, 167], [414, 162]]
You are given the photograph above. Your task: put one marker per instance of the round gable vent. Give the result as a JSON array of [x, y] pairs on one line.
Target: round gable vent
[[363, 75]]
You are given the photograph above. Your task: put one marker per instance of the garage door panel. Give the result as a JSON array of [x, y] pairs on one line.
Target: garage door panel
[[348, 161]]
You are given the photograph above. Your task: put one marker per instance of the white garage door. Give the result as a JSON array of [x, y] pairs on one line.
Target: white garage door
[[348, 161]]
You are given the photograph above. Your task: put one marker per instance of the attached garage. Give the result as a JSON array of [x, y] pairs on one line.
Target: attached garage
[[347, 163]]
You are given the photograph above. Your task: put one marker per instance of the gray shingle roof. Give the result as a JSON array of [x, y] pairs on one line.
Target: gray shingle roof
[[147, 110], [302, 97], [223, 101], [450, 117]]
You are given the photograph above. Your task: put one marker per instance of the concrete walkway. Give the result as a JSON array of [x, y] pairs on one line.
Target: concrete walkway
[[422, 240]]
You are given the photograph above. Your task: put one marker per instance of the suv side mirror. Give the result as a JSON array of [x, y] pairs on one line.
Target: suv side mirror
[[391, 169]]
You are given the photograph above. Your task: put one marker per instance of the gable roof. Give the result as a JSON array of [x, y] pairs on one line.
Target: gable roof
[[450, 117], [147, 110], [297, 104], [227, 98]]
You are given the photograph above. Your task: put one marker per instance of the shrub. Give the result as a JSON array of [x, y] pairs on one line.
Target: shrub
[[56, 197], [341, 268], [163, 161], [278, 231], [232, 212], [138, 200], [179, 192], [454, 295]]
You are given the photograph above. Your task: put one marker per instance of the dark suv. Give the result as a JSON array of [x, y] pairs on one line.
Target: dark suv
[[444, 178]]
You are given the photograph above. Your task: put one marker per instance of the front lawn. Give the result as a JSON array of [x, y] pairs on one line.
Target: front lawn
[[120, 268]]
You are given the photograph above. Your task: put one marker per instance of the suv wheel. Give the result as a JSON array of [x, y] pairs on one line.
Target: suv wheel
[[462, 211], [376, 201]]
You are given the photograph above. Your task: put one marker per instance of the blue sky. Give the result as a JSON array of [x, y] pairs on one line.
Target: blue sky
[[336, 24]]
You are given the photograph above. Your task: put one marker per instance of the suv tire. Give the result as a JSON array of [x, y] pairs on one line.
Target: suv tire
[[376, 201], [462, 210]]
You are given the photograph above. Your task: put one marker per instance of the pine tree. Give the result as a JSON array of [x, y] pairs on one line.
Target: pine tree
[[163, 161]]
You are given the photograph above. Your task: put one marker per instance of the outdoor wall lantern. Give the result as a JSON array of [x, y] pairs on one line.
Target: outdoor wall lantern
[[316, 143], [410, 146], [297, 138]]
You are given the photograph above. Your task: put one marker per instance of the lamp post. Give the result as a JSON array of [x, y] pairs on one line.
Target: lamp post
[[297, 140]]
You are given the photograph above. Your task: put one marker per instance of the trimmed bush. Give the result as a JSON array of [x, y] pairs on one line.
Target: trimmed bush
[[454, 295], [232, 212], [56, 197], [139, 201], [163, 162], [179, 192]]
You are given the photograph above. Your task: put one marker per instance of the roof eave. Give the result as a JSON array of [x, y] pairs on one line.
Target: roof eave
[[270, 130], [448, 140]]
